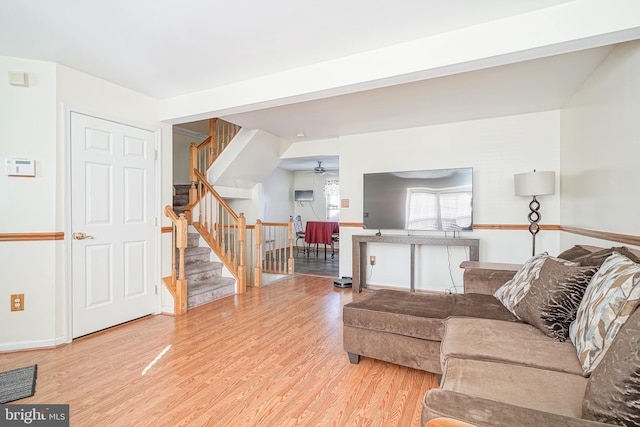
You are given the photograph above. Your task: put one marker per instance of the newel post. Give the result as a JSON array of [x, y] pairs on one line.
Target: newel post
[[242, 263], [258, 255], [180, 305]]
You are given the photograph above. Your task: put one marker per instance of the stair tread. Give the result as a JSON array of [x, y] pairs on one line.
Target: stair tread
[[196, 250], [198, 287], [182, 189], [202, 266]]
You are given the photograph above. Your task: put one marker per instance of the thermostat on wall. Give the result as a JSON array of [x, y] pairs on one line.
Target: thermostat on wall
[[21, 167]]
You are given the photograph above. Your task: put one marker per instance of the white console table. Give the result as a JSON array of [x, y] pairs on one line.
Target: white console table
[[359, 253]]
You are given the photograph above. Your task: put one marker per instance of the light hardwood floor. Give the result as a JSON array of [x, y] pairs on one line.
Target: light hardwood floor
[[270, 357]]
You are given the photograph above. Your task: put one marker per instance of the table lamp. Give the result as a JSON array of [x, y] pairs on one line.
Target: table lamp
[[533, 184]]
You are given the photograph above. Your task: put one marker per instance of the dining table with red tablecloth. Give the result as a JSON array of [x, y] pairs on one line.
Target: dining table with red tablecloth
[[321, 232]]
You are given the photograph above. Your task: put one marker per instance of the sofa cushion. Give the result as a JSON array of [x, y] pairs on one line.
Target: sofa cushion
[[507, 342], [612, 296], [597, 258], [613, 390], [512, 292], [485, 280], [418, 315], [554, 296], [550, 391], [491, 413], [578, 251]]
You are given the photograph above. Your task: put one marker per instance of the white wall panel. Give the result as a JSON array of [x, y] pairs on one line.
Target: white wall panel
[[601, 148]]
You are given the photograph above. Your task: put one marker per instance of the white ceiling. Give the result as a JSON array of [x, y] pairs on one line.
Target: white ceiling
[[165, 49]]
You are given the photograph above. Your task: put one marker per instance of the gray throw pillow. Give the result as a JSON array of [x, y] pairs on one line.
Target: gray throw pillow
[[554, 296], [613, 390]]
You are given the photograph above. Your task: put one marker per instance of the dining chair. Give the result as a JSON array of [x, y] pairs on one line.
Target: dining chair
[[299, 229]]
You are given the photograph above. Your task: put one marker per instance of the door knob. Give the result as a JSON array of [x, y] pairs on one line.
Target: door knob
[[81, 236]]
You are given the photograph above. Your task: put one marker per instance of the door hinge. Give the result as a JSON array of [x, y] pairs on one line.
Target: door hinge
[[155, 154], [156, 289]]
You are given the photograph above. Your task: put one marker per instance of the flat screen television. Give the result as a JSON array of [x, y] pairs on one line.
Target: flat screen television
[[431, 200], [303, 195]]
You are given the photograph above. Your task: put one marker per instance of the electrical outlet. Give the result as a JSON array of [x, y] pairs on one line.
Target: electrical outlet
[[17, 302], [372, 260]]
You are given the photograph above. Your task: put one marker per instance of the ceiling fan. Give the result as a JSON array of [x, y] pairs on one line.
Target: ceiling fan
[[320, 170]]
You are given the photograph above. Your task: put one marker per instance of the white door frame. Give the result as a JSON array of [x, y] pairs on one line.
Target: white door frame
[[68, 288]]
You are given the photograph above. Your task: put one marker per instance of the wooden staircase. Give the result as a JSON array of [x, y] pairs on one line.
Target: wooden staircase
[[244, 256], [204, 277]]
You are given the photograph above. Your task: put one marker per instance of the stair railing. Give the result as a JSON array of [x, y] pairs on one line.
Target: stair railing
[[177, 283], [221, 133], [202, 156], [223, 230], [276, 249]]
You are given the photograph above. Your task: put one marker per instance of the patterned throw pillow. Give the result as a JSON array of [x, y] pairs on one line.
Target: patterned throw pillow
[[613, 390], [614, 293], [553, 298], [512, 292]]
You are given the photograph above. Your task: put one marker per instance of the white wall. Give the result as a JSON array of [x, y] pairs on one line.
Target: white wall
[[601, 149], [317, 209], [34, 125], [181, 143], [28, 129], [277, 196], [496, 149]]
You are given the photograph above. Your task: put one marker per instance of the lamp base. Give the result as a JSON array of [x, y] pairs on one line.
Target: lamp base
[[534, 217]]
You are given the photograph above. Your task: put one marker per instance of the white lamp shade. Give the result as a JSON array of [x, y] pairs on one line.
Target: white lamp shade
[[534, 183]]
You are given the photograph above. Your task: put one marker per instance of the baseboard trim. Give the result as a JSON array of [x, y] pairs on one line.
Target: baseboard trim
[[32, 345]]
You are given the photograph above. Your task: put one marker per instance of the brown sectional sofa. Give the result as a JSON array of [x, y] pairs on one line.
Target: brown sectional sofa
[[496, 369]]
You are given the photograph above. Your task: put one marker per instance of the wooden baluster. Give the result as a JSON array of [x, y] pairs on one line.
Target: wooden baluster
[[213, 144], [212, 215], [193, 164], [222, 232], [206, 202], [242, 268]]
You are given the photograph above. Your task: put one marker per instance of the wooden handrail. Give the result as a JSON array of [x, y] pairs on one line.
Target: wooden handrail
[[222, 229], [219, 198]]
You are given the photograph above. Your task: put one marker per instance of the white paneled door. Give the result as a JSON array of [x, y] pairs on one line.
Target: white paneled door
[[112, 223]]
